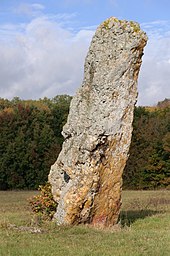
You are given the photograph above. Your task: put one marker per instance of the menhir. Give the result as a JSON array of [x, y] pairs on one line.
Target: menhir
[[87, 176]]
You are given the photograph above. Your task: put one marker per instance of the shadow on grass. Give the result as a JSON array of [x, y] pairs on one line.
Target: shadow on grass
[[128, 217]]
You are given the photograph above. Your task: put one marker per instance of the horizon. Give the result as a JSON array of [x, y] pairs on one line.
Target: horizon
[[16, 98]]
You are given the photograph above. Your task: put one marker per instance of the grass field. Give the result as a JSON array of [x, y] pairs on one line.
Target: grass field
[[144, 229]]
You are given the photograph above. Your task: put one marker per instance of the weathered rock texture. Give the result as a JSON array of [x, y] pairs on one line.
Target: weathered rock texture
[[87, 176]]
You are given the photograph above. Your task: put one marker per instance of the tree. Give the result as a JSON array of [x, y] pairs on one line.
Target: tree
[[148, 165], [30, 140]]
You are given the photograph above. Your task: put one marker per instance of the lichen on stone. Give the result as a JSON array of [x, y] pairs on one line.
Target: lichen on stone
[[135, 26], [107, 24], [112, 21]]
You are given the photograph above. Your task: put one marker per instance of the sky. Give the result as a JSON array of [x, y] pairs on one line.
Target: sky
[[43, 45]]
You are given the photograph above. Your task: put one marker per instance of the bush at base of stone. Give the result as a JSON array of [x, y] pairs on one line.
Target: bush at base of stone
[[43, 204]]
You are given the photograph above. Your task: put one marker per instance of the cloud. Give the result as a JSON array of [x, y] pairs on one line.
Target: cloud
[[38, 6], [113, 3], [44, 59], [71, 2], [154, 81], [29, 9]]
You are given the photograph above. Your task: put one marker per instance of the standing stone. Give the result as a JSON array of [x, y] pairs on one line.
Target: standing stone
[[87, 176]]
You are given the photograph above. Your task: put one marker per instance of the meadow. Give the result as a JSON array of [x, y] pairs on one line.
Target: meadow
[[143, 229]]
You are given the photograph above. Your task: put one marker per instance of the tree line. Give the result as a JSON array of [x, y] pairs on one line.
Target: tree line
[[30, 141], [148, 166]]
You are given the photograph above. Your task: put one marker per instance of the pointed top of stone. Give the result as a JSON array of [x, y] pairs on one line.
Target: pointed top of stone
[[113, 22]]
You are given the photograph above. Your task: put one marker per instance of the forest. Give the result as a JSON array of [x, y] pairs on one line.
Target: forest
[[148, 166], [31, 140]]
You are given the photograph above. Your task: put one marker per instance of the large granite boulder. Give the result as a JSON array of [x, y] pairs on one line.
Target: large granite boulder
[[87, 176]]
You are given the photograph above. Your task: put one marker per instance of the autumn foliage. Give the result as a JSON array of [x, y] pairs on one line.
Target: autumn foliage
[[43, 204], [30, 141], [148, 166]]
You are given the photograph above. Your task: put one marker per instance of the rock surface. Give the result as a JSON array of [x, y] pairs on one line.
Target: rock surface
[[87, 176]]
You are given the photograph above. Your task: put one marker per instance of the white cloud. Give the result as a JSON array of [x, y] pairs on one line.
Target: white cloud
[[43, 60], [38, 6], [29, 9], [71, 2], [154, 81], [113, 3]]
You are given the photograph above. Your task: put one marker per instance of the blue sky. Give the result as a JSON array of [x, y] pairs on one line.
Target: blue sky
[[43, 45]]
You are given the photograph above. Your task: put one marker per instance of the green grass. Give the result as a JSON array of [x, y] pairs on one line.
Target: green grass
[[144, 229]]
